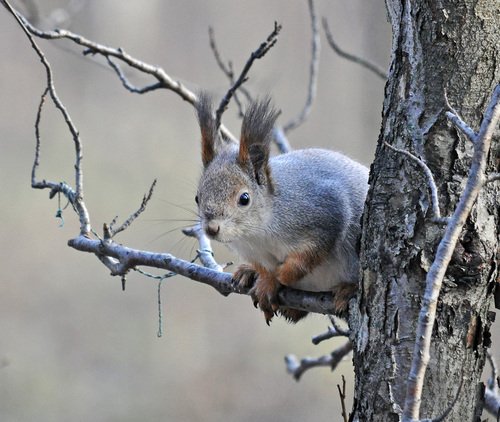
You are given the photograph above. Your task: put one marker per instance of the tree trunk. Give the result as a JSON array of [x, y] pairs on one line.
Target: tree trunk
[[437, 46]]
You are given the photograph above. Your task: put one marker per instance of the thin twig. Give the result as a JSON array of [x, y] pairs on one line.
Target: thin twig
[[112, 231], [313, 73], [430, 183], [333, 331], [377, 70], [257, 54], [455, 118], [36, 161], [342, 398], [296, 368], [228, 71], [281, 140], [435, 276], [205, 253], [126, 83], [492, 380]]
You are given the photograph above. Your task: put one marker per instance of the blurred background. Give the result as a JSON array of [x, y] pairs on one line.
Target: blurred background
[[73, 346]]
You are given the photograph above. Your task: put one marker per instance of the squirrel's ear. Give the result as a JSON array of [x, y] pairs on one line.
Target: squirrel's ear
[[209, 133], [256, 136]]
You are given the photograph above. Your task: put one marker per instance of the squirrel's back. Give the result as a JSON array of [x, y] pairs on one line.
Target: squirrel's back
[[317, 187]]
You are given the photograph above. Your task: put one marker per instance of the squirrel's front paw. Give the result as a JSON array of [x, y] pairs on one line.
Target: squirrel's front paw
[[265, 294], [245, 276], [263, 288]]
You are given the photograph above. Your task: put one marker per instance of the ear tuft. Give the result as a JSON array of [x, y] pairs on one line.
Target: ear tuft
[[207, 126], [256, 135]]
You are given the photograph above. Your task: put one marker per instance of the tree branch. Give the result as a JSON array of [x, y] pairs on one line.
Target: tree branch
[[296, 368], [444, 252], [228, 71], [377, 70], [112, 231], [457, 121], [257, 54], [313, 73], [205, 253], [279, 136], [76, 196], [430, 183], [164, 81], [334, 330], [342, 398], [125, 258]]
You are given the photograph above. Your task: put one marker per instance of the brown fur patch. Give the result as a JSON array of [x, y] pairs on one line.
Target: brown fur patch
[[207, 145], [266, 292], [243, 154], [293, 315], [297, 265]]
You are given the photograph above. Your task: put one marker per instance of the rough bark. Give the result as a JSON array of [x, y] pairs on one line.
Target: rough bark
[[452, 45]]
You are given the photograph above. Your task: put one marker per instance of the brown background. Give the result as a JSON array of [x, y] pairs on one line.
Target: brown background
[[73, 346]]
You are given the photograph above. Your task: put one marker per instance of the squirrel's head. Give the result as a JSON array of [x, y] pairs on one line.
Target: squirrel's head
[[235, 189]]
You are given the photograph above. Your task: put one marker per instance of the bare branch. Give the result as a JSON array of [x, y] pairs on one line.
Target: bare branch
[[444, 252], [279, 136], [457, 121], [124, 259], [112, 231], [281, 140], [36, 161], [228, 71], [342, 398], [126, 83], [492, 380], [163, 79], [461, 125], [313, 73], [205, 253], [333, 331], [296, 368], [430, 183], [257, 54], [377, 70], [75, 197]]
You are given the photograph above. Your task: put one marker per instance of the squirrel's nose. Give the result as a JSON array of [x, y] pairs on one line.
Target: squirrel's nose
[[213, 228]]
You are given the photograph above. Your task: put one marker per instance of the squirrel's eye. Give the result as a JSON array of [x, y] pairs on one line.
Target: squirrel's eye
[[196, 199], [244, 199]]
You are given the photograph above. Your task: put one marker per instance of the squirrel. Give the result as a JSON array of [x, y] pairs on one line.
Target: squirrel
[[294, 218]]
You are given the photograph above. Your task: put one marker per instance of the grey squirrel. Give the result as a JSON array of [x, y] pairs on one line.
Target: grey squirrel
[[293, 218]]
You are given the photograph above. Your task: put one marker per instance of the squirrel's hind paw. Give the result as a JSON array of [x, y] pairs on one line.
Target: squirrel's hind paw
[[342, 294]]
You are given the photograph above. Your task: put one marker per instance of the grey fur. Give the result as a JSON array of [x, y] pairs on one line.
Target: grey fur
[[310, 199]]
